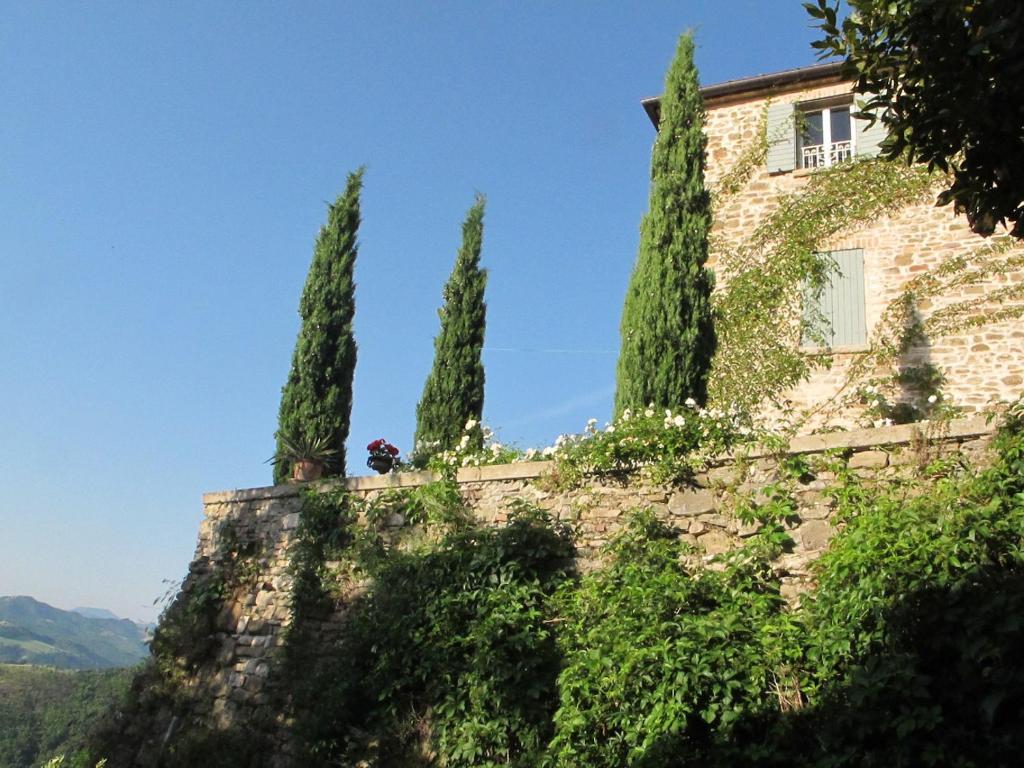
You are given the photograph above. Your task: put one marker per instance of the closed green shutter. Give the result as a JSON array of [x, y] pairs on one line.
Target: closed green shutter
[[848, 324], [868, 139], [840, 307], [781, 127]]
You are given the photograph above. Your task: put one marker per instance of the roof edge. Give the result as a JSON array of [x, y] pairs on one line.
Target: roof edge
[[652, 105]]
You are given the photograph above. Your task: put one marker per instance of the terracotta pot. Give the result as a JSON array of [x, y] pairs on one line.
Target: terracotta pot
[[305, 470], [381, 464]]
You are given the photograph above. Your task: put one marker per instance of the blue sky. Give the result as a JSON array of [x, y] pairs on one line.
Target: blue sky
[[164, 169]]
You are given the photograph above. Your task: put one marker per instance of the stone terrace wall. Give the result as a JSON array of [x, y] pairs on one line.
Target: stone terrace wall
[[252, 623]]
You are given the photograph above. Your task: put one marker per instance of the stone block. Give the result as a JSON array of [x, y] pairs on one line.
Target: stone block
[[815, 512], [726, 475], [745, 530], [692, 502], [290, 522], [715, 542], [256, 626], [869, 460], [815, 534], [812, 498]]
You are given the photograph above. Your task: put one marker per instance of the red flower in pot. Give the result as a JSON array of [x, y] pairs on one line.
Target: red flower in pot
[[382, 456]]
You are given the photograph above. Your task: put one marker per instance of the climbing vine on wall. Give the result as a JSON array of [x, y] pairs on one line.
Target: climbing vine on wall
[[767, 275], [903, 325]]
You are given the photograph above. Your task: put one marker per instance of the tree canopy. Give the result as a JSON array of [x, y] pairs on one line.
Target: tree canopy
[[316, 401], [667, 333], [454, 391], [947, 79]]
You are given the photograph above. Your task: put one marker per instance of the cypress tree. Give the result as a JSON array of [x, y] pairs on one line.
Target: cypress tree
[[667, 332], [454, 391], [316, 401]]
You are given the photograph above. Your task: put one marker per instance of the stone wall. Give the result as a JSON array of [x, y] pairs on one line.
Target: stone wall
[[263, 522], [981, 364]]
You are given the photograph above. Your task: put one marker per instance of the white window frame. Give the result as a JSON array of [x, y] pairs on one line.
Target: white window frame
[[826, 154]]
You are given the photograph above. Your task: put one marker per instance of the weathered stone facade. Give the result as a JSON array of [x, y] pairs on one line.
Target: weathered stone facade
[[981, 364], [231, 690]]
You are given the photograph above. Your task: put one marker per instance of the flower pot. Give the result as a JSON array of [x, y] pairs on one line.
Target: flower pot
[[304, 470], [381, 464]]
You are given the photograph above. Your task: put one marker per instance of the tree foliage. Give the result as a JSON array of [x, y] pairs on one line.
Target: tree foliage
[[947, 77], [44, 712], [667, 332], [454, 391], [316, 401]]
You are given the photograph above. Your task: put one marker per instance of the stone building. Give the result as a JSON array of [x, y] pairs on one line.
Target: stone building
[[807, 117]]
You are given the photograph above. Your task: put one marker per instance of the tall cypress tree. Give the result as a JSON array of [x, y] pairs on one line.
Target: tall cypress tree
[[316, 401], [668, 336], [454, 390]]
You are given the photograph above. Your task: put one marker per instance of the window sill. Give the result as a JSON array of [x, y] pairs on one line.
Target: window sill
[[852, 349]]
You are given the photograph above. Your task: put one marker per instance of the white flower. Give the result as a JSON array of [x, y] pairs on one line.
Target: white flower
[[591, 422], [626, 414], [932, 398], [471, 423], [649, 412], [530, 454], [679, 421], [549, 451], [690, 403], [610, 428], [464, 441], [496, 448]]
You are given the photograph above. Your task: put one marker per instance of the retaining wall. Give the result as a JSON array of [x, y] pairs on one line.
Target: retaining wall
[[250, 629]]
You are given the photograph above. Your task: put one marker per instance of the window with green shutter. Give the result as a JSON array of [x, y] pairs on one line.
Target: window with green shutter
[[820, 133], [835, 317]]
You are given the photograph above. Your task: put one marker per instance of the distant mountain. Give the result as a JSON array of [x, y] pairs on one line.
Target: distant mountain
[[96, 613], [32, 632]]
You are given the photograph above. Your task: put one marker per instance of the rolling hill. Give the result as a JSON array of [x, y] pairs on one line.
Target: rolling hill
[[32, 632]]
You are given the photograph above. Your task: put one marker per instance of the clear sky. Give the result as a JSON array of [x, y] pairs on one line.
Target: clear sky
[[164, 169]]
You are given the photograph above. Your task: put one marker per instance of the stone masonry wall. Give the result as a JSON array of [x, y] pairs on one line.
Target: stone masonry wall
[[263, 522], [980, 364]]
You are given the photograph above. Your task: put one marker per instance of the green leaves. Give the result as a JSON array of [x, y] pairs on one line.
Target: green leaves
[[667, 332], [949, 79], [316, 401], [475, 646], [453, 394]]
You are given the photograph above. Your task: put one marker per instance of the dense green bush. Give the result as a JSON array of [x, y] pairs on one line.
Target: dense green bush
[[449, 651], [661, 658], [465, 645]]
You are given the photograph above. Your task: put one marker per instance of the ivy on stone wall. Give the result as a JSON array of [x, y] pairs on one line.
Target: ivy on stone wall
[[767, 276], [771, 272]]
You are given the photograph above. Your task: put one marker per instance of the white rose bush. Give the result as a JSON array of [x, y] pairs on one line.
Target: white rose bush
[[670, 444]]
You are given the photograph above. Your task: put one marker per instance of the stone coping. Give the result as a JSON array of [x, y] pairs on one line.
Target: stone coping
[[855, 439]]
